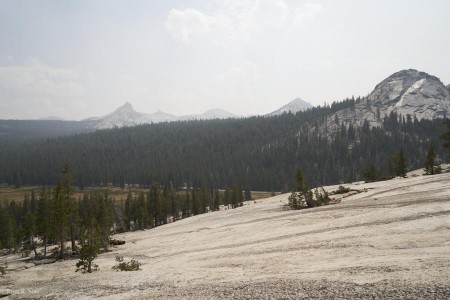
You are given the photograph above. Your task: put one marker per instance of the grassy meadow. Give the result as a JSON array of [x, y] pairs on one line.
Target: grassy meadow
[[10, 193]]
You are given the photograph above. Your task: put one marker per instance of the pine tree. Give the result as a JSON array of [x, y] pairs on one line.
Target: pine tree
[[216, 200], [237, 196], [104, 219], [8, 227], [142, 212], [43, 220], [302, 197], [227, 197], [391, 168], [67, 192], [431, 167], [187, 205], [371, 174], [446, 136], [90, 241], [195, 202], [173, 204], [29, 230], [165, 204], [59, 218], [401, 164], [128, 211]]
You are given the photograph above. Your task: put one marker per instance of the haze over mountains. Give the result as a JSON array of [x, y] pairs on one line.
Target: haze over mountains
[[407, 92], [125, 115], [172, 150]]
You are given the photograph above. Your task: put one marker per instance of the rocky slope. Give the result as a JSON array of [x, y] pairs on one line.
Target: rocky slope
[[411, 92], [407, 92], [390, 241], [122, 116]]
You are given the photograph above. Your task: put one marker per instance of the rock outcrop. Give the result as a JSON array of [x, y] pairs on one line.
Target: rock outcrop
[[408, 92]]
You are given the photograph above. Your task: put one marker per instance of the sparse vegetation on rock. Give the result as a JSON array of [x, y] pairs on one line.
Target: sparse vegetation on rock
[[122, 265], [304, 197], [341, 190], [90, 240]]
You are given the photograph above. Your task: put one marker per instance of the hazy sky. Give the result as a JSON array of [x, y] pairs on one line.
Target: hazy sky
[[76, 59]]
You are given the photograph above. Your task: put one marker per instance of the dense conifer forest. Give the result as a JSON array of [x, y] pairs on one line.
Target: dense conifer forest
[[258, 153]]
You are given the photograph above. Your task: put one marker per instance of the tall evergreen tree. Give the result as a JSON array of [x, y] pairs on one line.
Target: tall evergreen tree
[[371, 174], [446, 136], [59, 218], [173, 206], [128, 211], [143, 216], [401, 164], [90, 241], [431, 166], [43, 218], [8, 227], [301, 183], [303, 197], [391, 168], [105, 219], [67, 192], [29, 231]]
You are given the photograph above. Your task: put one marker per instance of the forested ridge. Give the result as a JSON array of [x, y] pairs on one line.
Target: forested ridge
[[259, 153], [19, 130]]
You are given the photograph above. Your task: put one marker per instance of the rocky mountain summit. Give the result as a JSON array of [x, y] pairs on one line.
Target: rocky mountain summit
[[407, 92], [411, 92], [294, 106], [125, 116]]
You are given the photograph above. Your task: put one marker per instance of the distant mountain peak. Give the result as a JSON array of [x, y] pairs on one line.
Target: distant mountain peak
[[298, 101], [125, 115], [125, 107], [51, 118], [217, 113], [294, 106]]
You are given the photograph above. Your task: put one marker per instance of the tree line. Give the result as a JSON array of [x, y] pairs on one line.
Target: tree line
[[54, 217]]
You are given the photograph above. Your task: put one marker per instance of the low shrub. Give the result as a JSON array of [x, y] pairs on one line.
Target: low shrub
[[341, 190], [132, 265]]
